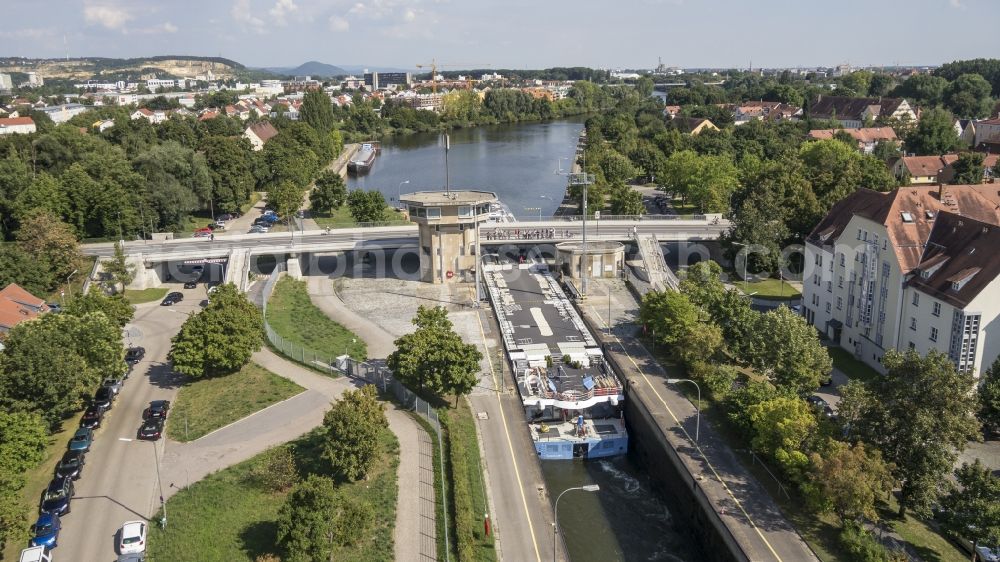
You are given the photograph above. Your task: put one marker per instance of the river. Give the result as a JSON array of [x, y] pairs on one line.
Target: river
[[518, 162], [626, 520]]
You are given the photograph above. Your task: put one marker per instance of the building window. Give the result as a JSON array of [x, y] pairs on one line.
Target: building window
[[913, 323], [840, 303], [937, 309], [465, 212], [829, 286], [916, 299], [934, 334], [841, 259], [840, 282], [828, 308], [885, 269], [434, 212], [912, 346], [859, 234]]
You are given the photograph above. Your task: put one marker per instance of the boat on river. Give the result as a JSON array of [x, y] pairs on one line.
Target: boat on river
[[364, 158]]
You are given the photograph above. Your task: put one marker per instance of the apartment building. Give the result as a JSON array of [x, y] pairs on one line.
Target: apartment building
[[914, 268]]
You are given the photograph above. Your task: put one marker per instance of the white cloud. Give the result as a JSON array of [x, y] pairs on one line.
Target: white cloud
[[409, 15], [107, 15], [957, 4], [165, 27], [169, 27], [281, 9], [339, 24], [243, 14], [28, 33]]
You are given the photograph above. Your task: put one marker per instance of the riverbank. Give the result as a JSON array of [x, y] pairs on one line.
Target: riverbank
[[569, 205]]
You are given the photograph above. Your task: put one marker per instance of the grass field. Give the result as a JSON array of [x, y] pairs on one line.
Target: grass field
[[769, 289], [227, 518], [468, 490], [295, 318], [202, 406], [341, 218], [145, 295], [852, 367]]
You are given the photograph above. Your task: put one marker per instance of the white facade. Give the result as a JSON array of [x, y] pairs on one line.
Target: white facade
[[17, 125], [5, 82], [987, 131], [63, 113]]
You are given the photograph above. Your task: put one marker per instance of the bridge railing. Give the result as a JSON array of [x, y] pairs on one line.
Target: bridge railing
[[579, 218]]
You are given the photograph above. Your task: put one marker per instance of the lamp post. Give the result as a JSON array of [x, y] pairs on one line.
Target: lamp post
[[163, 504], [399, 194], [555, 512], [68, 277], [697, 422]]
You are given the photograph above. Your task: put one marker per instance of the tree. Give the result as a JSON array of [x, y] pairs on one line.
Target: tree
[[121, 272], [989, 398], [353, 426], [435, 357], [116, 307], [285, 198], [919, 415], [317, 111], [934, 134], [27, 270], [626, 201], [786, 349], [969, 168], [971, 508], [305, 530], [782, 429], [679, 324], [329, 194], [847, 480], [366, 206], [968, 96], [644, 85], [923, 89], [353, 520], [50, 241], [23, 438], [705, 181], [230, 165], [220, 339]]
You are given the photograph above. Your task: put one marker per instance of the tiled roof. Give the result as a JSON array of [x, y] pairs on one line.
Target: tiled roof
[[13, 121], [18, 305], [263, 130], [968, 247], [865, 134], [842, 107]]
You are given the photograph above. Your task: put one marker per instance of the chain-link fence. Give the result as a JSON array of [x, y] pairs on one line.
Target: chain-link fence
[[369, 373]]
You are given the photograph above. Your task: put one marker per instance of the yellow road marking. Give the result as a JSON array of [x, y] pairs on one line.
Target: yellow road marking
[[510, 445], [696, 444]]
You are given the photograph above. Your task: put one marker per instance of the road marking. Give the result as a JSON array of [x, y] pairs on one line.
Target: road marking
[[696, 445], [510, 445], [124, 439]]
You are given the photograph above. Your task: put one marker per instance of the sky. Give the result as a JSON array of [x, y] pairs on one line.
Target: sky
[[511, 33]]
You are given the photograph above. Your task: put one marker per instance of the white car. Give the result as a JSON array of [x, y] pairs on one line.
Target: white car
[[988, 554], [132, 538]]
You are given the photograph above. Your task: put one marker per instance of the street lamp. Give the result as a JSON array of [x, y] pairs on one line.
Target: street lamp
[[68, 277], [697, 421], [163, 504], [399, 194], [555, 512]]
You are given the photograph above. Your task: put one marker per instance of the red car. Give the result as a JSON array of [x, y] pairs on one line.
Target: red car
[[203, 232]]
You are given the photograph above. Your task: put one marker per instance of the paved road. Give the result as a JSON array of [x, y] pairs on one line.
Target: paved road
[[119, 482]]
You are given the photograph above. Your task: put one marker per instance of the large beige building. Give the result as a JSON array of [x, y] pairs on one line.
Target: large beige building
[[915, 268], [448, 231]]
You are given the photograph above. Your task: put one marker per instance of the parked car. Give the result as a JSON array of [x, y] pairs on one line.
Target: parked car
[[192, 284], [151, 430], [132, 537], [224, 217], [219, 224], [259, 229], [987, 554], [35, 554], [81, 440], [132, 557], [46, 530], [156, 409], [135, 354], [172, 299], [203, 232], [56, 497], [104, 398], [216, 226], [71, 464], [822, 405], [114, 384], [92, 417], [54, 307]]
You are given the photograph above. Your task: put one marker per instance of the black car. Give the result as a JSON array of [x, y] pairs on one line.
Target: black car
[[92, 417], [56, 497], [157, 409], [151, 429], [172, 299], [104, 397], [821, 405], [134, 354], [71, 465]]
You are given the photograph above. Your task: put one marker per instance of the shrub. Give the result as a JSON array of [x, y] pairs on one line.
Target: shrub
[[354, 521], [277, 472], [862, 546]]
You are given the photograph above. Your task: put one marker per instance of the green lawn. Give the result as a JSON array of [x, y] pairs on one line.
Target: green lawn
[[928, 543], [296, 319], [341, 218], [228, 518], [145, 295], [204, 405], [852, 367], [467, 493], [769, 289]]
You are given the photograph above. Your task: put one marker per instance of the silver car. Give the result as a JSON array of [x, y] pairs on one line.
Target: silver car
[[114, 384]]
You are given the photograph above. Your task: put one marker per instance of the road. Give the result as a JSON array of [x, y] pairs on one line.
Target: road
[[119, 482]]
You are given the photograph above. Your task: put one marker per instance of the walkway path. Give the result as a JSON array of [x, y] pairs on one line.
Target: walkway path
[[184, 463]]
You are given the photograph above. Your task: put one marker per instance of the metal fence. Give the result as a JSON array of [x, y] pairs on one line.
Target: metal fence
[[369, 373]]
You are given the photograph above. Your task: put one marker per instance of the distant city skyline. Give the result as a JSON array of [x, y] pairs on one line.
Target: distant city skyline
[[511, 33]]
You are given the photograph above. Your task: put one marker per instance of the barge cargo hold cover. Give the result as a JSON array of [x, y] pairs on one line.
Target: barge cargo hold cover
[[572, 399]]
